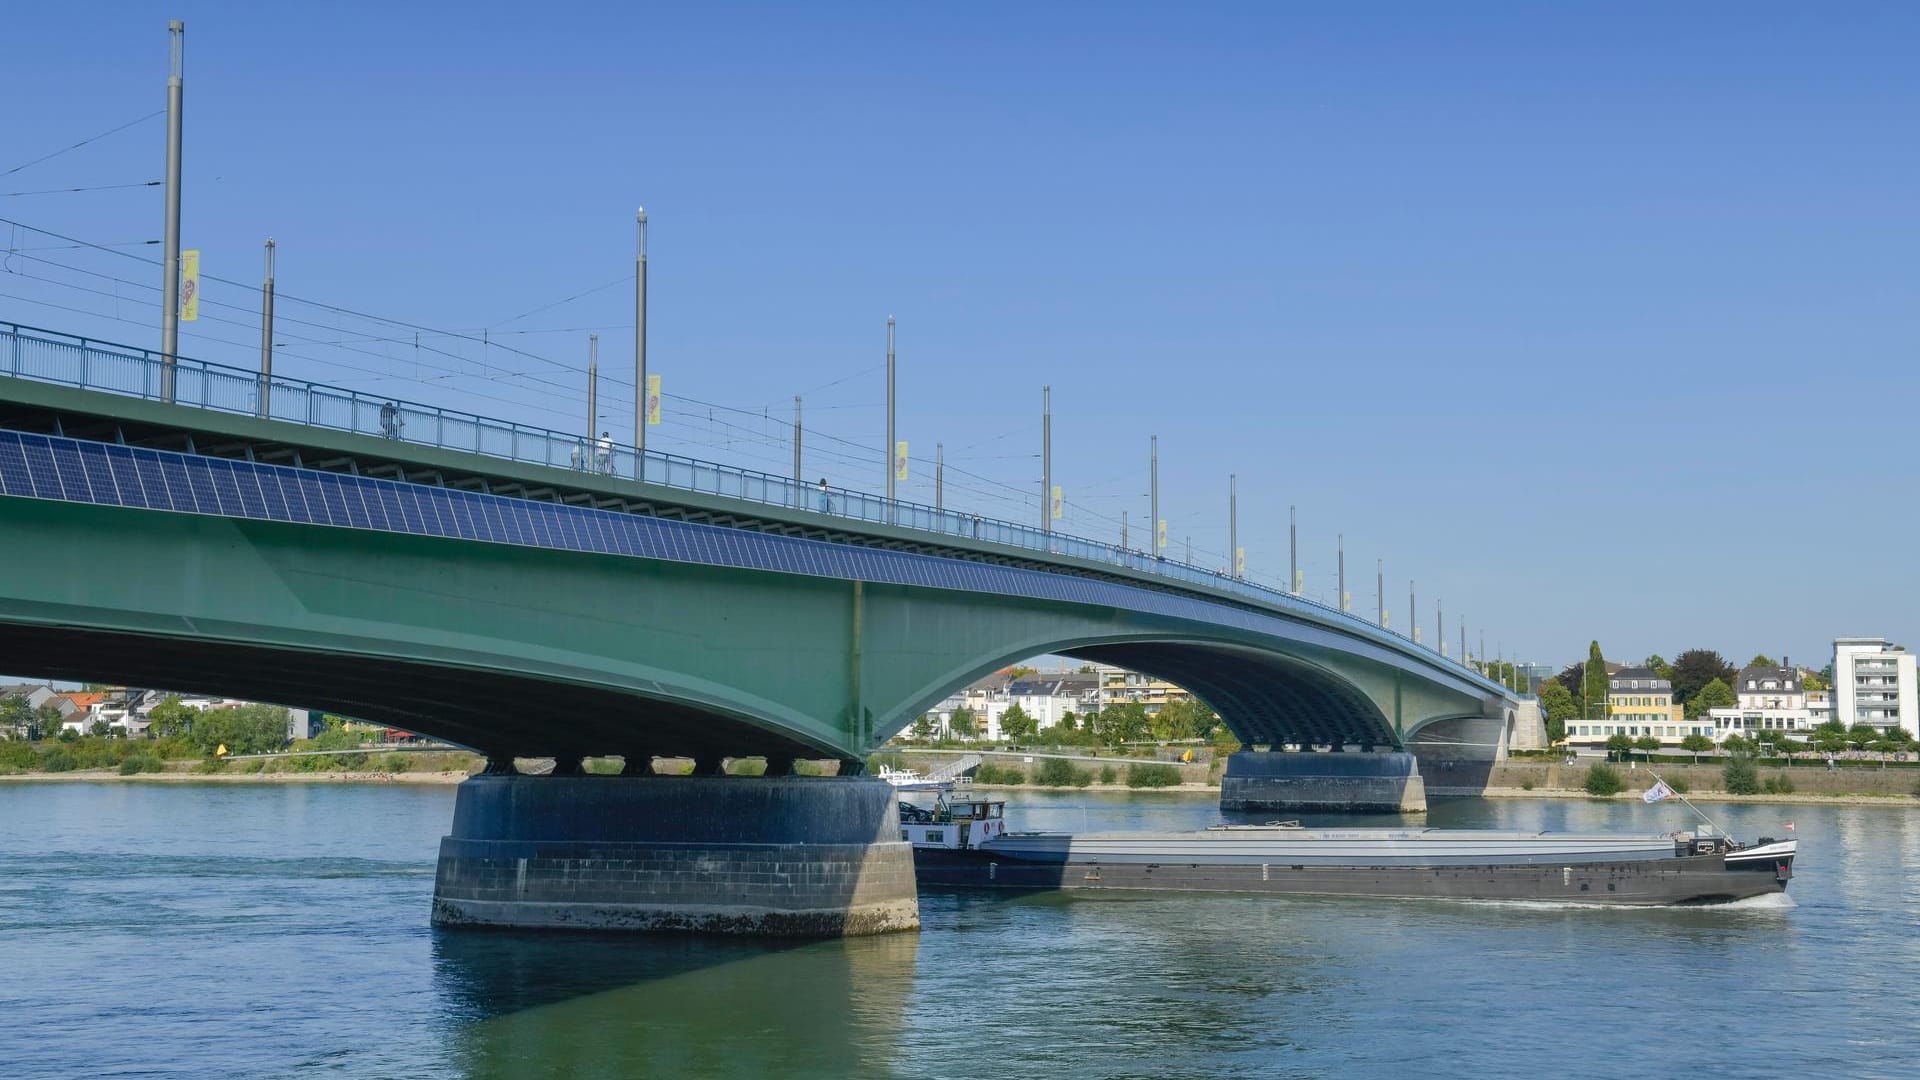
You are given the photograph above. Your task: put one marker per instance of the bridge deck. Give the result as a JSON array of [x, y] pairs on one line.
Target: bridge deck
[[221, 411]]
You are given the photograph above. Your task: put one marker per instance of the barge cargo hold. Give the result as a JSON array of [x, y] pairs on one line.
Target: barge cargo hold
[[965, 846]]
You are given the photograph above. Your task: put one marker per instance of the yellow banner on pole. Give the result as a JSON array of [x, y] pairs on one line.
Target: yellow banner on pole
[[900, 460], [653, 400], [1346, 600], [1160, 536], [1239, 562], [189, 286], [1299, 580], [1059, 503]]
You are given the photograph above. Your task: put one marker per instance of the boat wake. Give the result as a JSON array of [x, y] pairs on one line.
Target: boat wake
[[1767, 902]]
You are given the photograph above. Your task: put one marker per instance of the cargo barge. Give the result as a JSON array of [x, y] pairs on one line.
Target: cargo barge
[[964, 844]]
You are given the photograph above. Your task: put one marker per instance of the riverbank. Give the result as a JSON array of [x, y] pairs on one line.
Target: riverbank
[[113, 776]]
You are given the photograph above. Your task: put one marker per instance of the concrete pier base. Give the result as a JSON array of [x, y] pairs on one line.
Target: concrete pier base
[[773, 856], [1323, 783]]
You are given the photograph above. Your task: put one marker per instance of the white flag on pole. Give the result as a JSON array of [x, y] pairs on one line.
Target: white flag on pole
[[1658, 791]]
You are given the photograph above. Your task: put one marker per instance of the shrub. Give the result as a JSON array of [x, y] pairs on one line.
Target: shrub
[[1603, 779], [1526, 785], [1082, 777], [989, 773], [1144, 775], [1108, 776], [1779, 785], [139, 763], [1680, 786], [209, 766], [58, 759], [398, 762], [1739, 776], [18, 754], [1056, 772]]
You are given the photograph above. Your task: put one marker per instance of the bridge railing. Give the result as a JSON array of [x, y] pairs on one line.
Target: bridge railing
[[53, 356]]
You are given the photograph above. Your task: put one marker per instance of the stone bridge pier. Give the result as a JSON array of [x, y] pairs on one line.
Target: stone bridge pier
[[783, 856], [1339, 783]]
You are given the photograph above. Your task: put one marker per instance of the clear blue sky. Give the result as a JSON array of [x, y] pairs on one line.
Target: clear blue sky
[[1599, 322]]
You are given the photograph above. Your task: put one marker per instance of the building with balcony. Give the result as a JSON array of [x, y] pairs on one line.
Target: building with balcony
[[1873, 683], [1770, 699]]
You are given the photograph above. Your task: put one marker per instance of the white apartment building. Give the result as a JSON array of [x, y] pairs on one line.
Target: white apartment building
[[1873, 683], [1770, 699]]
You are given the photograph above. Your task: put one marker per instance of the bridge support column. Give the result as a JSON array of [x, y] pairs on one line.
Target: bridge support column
[[773, 856], [1323, 783]]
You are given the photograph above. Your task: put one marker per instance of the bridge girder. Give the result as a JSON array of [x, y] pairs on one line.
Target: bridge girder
[[532, 650]]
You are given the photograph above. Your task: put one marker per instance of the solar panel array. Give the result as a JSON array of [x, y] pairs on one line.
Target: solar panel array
[[73, 470]]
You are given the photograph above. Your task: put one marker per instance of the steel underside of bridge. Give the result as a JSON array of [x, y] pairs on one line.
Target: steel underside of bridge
[[529, 610]]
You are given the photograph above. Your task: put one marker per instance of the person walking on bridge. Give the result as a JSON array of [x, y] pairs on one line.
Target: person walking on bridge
[[391, 421], [826, 500], [603, 454]]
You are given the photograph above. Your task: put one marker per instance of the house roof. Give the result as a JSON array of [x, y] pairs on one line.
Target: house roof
[[1644, 676], [85, 699], [1761, 673]]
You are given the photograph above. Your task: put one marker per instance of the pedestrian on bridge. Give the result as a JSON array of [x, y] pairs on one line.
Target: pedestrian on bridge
[[603, 454], [826, 499], [391, 421]]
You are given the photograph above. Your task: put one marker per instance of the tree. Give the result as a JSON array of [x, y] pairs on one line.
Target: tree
[[1658, 665], [1761, 660], [1182, 720], [1120, 724], [1021, 671], [171, 718], [47, 723], [1736, 744], [1619, 746], [1573, 677], [1557, 707], [99, 727], [1813, 680], [961, 723], [1696, 744], [1714, 695], [16, 716], [1859, 735], [922, 727], [1068, 721], [1694, 669], [1646, 744], [247, 729], [1593, 683], [1015, 724]]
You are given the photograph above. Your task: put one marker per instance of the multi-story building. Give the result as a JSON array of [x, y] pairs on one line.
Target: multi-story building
[[1770, 699], [1873, 683], [1639, 703], [1119, 686]]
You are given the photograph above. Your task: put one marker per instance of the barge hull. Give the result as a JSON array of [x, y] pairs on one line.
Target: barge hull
[[1703, 879]]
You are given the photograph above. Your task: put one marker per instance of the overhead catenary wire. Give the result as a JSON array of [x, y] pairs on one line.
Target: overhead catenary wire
[[73, 190], [85, 141]]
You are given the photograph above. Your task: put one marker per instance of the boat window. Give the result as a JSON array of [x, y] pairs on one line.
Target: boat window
[[936, 836]]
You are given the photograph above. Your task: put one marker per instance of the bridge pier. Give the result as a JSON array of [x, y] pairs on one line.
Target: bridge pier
[[775, 856], [1386, 783]]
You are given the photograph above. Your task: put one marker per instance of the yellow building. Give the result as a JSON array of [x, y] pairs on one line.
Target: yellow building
[[1639, 703], [1119, 686]]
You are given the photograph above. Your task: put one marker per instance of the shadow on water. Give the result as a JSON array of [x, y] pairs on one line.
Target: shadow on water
[[666, 1005]]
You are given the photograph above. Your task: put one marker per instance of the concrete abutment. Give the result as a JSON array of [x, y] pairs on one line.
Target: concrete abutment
[[770, 856], [1387, 783]]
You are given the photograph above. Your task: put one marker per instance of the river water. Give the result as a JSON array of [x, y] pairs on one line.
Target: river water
[[232, 930]]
